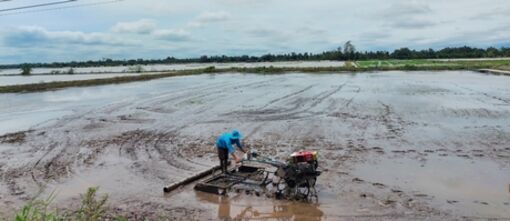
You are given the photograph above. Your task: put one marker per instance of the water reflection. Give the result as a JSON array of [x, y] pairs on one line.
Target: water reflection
[[243, 207]]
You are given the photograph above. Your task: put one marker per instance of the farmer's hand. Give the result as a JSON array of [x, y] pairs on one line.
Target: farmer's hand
[[236, 159]]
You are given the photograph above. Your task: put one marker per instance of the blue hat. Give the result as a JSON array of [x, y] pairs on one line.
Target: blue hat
[[236, 135]]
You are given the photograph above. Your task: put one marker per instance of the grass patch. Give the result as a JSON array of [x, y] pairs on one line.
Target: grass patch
[[38, 210], [93, 208], [433, 64], [505, 68]]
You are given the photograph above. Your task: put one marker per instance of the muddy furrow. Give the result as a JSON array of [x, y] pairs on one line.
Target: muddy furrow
[[202, 92], [300, 106], [179, 94], [350, 100], [506, 101], [319, 99], [283, 98]]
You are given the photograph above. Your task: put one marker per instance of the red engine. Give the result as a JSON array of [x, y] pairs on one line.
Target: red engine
[[304, 156]]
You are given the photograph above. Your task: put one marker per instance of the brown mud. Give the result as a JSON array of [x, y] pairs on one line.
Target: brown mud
[[392, 145]]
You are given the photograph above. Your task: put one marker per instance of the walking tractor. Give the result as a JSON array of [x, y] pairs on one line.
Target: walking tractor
[[293, 179]]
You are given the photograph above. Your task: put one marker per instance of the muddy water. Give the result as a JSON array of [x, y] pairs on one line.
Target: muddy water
[[15, 80], [188, 66], [239, 207], [476, 187], [23, 111], [371, 130]]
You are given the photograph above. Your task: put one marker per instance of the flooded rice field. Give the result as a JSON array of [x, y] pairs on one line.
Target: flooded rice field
[[392, 145], [171, 67], [18, 79]]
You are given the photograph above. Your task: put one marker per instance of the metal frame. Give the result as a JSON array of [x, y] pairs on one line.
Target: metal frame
[[221, 183]]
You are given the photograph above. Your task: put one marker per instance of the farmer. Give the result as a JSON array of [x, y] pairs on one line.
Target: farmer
[[224, 144]]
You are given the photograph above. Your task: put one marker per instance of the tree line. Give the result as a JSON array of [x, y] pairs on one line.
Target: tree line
[[348, 52]]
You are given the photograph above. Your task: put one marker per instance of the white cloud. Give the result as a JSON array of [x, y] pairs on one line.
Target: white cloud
[[249, 27], [27, 36], [407, 8], [149, 27], [172, 35], [213, 16], [210, 17], [408, 15], [142, 26], [374, 36], [412, 23], [264, 32], [494, 13]]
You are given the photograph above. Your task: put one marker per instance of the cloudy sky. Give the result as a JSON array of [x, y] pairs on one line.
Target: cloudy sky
[[188, 28]]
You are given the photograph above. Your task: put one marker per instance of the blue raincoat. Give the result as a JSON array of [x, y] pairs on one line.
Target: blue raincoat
[[224, 142]]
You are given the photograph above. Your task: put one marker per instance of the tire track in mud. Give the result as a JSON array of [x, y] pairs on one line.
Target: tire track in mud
[[174, 146], [44, 169], [485, 94], [323, 96], [348, 103], [318, 99], [206, 91], [292, 94], [169, 96], [209, 94], [253, 131], [59, 159], [170, 155], [210, 98], [9, 175], [346, 112], [213, 96], [292, 112], [332, 110], [474, 112], [393, 123], [172, 95], [160, 100], [54, 167], [143, 146]]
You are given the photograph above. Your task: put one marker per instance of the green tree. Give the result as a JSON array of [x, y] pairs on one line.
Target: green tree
[[349, 50], [26, 69], [403, 53]]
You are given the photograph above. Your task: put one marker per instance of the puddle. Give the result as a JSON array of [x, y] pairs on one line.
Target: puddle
[[238, 207], [463, 186], [248, 206]]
